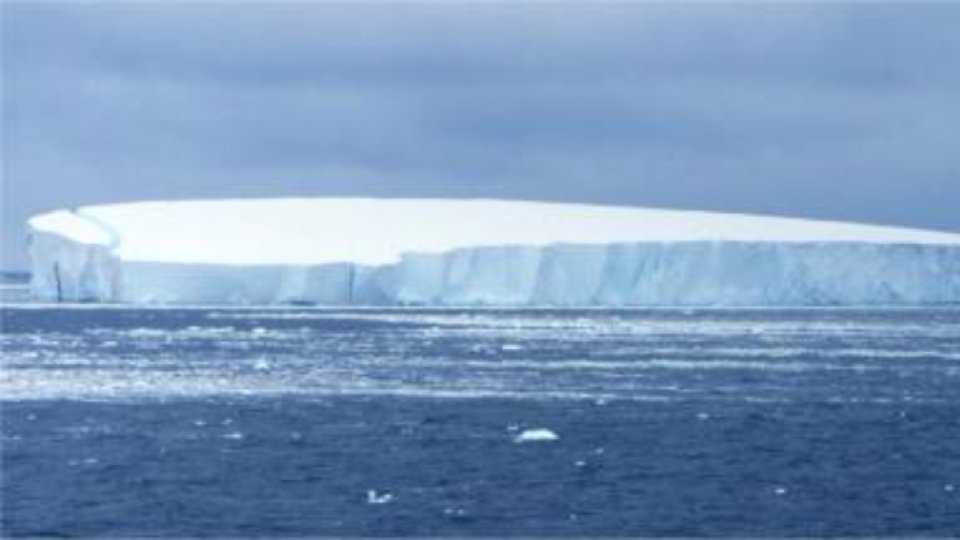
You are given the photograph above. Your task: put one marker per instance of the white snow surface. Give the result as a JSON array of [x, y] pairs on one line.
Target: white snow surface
[[434, 251], [72, 226], [379, 231]]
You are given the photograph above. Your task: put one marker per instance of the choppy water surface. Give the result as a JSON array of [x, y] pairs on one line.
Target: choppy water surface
[[308, 422]]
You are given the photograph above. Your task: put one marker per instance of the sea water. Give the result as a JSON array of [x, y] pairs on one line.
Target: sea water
[[272, 422]]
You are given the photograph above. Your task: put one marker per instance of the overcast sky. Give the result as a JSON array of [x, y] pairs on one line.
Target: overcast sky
[[831, 111]]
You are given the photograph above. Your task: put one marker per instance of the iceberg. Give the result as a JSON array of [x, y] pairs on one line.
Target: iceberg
[[536, 435], [358, 251]]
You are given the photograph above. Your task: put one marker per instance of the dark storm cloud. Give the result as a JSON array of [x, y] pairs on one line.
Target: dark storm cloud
[[845, 112]]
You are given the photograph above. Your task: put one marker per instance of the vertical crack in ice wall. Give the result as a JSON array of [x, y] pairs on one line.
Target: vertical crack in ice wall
[[67, 270]]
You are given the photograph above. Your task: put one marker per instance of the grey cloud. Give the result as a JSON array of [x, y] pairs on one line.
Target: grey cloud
[[839, 111]]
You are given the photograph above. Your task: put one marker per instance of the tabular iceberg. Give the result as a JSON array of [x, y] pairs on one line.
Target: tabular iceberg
[[353, 251]]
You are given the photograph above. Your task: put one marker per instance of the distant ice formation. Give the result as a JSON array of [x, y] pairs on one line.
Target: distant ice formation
[[376, 498], [537, 435], [348, 251]]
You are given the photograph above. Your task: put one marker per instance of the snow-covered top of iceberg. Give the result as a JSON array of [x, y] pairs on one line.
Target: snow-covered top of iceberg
[[378, 231]]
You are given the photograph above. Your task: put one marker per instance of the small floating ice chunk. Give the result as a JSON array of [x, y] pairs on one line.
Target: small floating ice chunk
[[536, 435], [375, 498], [703, 416], [580, 463], [261, 365], [234, 436], [511, 347], [949, 487], [780, 490]]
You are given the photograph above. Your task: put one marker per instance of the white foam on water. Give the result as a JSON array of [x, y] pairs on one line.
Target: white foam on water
[[610, 358]]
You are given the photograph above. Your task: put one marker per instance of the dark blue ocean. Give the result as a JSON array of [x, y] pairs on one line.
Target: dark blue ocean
[[294, 422]]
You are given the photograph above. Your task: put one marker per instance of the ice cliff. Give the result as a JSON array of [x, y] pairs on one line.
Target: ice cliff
[[477, 252]]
